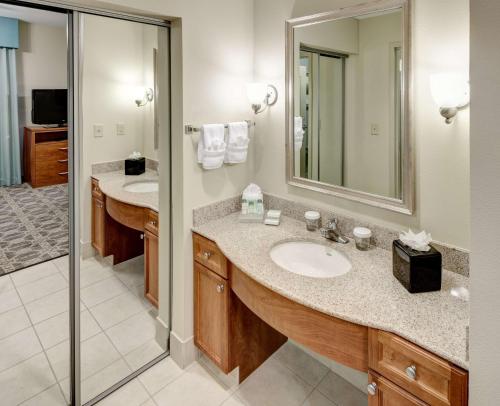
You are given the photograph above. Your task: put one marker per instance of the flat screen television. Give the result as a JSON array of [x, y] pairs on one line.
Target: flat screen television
[[49, 106]]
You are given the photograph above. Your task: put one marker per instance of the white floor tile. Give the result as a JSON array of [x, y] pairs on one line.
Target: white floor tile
[[96, 354], [92, 274], [133, 332], [233, 401], [304, 365], [13, 321], [42, 287], [62, 263], [132, 394], [149, 402], [341, 392], [34, 273], [131, 273], [18, 347], [317, 399], [194, 388], [98, 383], [49, 397], [5, 284], [116, 310], [102, 291], [48, 306], [9, 300], [273, 385], [159, 376], [25, 380], [56, 329], [144, 354]]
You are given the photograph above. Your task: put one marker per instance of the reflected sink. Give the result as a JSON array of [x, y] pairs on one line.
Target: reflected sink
[[143, 186], [310, 259]]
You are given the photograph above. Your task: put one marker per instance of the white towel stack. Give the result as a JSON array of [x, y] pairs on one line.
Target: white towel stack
[[237, 143], [211, 147], [298, 134]]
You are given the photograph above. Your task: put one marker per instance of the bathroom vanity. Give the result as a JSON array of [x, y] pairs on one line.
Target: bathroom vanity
[[413, 347], [125, 224]]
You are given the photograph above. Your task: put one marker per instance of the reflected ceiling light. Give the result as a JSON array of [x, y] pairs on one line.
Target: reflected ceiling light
[[261, 94], [147, 97], [451, 93]]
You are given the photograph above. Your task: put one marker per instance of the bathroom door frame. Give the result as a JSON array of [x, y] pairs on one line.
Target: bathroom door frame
[[74, 14]]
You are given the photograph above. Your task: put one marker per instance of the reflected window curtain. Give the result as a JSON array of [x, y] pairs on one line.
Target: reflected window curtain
[[10, 148]]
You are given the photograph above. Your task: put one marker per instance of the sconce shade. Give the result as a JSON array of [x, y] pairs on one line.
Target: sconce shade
[[450, 90], [256, 93]]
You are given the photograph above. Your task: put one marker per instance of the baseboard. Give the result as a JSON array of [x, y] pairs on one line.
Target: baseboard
[[183, 352], [86, 250]]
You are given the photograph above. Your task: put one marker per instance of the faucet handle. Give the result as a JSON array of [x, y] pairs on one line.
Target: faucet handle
[[332, 223]]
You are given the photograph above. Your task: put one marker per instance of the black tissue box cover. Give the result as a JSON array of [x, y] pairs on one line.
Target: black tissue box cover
[[417, 271], [135, 166]]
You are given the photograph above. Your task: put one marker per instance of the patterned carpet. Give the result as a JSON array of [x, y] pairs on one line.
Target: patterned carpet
[[33, 225]]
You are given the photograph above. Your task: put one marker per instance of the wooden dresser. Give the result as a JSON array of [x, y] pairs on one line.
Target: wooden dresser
[[45, 156]]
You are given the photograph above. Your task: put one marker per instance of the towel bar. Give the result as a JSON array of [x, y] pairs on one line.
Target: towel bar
[[190, 129]]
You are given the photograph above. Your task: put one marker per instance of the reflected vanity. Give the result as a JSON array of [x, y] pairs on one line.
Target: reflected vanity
[[347, 104]]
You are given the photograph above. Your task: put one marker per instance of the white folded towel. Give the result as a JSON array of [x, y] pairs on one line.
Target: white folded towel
[[211, 146], [237, 143], [298, 133]]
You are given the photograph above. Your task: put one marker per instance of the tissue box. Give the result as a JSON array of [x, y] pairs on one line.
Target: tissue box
[[135, 166], [417, 271]]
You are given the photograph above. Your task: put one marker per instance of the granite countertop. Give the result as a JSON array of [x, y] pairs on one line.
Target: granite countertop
[[368, 295], [111, 184]]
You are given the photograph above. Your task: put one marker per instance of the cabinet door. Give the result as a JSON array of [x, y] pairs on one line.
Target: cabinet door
[[98, 229], [151, 267], [211, 315], [385, 393]]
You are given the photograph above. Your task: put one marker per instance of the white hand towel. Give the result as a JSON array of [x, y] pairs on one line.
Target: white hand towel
[[298, 133], [211, 146], [237, 143]]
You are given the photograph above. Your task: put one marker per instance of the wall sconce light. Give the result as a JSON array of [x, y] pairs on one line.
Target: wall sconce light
[[147, 97], [451, 92], [259, 94]]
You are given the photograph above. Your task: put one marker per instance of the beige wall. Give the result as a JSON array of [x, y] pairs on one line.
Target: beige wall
[[110, 76], [442, 151], [41, 63], [485, 190]]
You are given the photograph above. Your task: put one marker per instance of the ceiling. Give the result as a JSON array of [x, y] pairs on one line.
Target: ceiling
[[34, 16]]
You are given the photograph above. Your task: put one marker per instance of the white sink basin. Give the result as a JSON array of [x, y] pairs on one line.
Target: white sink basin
[[143, 186], [310, 259]]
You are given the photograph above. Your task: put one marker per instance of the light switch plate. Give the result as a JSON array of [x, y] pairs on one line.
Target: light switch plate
[[98, 130], [120, 129]]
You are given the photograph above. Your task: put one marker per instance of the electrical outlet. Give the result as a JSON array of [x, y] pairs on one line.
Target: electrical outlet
[[98, 130], [375, 129], [120, 129]]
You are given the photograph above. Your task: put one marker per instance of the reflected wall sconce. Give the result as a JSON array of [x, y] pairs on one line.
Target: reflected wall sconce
[[451, 93], [147, 97], [261, 96]]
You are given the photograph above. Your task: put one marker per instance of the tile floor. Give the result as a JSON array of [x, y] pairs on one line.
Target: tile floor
[[34, 333], [289, 378]]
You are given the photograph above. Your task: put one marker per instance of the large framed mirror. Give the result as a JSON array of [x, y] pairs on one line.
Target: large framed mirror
[[348, 104]]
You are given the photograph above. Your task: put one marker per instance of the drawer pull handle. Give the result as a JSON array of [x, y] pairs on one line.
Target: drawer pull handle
[[63, 173], [100, 205], [96, 189], [207, 255], [411, 372], [62, 161], [63, 149], [153, 223], [220, 288], [372, 389]]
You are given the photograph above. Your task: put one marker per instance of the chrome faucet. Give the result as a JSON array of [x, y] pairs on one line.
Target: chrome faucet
[[331, 232]]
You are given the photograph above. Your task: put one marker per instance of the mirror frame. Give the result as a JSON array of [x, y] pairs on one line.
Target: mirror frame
[[404, 205]]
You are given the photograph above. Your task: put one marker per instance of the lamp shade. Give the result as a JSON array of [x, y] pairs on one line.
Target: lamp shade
[[450, 89], [256, 92]]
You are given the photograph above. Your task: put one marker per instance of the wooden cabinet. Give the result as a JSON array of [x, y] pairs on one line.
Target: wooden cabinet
[[45, 156], [98, 226], [385, 393], [211, 315], [421, 373], [151, 267]]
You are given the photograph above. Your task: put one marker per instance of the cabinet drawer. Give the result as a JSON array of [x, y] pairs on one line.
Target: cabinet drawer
[[385, 393], [423, 374], [208, 254], [96, 190], [151, 222]]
